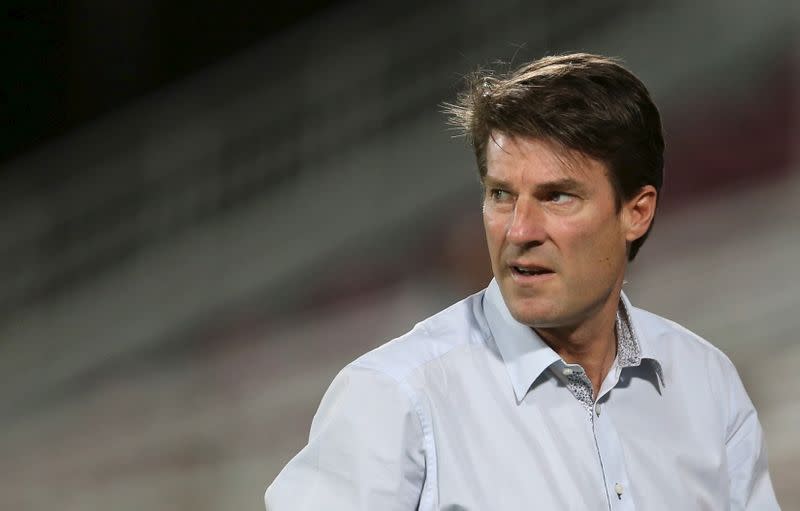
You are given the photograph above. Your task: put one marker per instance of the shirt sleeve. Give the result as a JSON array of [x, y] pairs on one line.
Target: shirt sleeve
[[750, 484], [364, 451]]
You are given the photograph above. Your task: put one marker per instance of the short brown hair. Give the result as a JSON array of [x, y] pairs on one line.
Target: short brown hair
[[588, 103]]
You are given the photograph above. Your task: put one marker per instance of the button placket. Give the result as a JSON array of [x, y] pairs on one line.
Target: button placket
[[612, 460]]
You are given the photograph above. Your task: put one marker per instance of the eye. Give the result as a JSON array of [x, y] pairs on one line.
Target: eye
[[499, 195], [561, 198]]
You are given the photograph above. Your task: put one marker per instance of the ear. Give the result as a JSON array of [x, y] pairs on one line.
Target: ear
[[638, 212]]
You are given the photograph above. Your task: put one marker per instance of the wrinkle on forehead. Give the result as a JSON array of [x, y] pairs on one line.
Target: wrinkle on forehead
[[572, 161]]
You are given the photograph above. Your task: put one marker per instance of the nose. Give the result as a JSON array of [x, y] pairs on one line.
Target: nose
[[526, 224]]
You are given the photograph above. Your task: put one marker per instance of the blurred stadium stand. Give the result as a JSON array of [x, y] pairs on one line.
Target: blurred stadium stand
[[184, 281]]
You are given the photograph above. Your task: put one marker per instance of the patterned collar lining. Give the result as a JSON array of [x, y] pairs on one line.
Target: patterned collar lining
[[628, 351]]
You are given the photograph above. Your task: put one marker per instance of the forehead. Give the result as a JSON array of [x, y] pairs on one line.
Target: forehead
[[537, 159]]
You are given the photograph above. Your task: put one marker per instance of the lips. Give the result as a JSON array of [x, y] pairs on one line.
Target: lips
[[528, 270]]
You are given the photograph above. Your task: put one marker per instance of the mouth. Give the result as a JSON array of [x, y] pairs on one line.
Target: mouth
[[529, 271]]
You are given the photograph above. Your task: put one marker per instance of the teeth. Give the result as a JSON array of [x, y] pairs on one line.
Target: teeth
[[527, 272]]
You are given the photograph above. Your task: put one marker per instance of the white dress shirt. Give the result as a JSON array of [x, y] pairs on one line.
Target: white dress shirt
[[471, 410]]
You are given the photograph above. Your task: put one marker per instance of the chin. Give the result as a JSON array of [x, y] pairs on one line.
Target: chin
[[537, 315]]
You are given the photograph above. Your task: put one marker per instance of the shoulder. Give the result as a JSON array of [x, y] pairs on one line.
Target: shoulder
[[457, 327], [680, 349], [379, 386], [657, 327]]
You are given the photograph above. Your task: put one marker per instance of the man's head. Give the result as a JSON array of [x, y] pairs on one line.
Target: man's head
[[586, 103], [570, 153]]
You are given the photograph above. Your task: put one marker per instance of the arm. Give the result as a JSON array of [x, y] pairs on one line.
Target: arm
[[750, 484], [364, 451]]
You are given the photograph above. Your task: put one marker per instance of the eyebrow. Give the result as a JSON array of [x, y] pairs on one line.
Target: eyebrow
[[488, 181], [566, 184]]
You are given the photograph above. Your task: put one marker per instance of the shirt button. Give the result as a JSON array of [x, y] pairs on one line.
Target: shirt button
[[597, 409], [567, 371], [618, 488]]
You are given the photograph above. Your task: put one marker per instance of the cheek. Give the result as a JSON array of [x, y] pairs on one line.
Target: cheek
[[606, 248], [494, 226], [594, 246]]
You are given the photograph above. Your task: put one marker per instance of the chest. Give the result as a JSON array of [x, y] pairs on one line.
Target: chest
[[640, 448]]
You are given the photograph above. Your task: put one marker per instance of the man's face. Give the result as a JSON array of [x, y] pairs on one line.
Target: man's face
[[556, 240]]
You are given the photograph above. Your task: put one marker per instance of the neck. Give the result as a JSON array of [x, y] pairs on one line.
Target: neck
[[592, 344]]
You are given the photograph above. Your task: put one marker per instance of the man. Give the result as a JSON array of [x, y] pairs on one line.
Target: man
[[547, 390]]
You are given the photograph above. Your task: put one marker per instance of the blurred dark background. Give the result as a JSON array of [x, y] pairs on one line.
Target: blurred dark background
[[208, 209], [66, 63]]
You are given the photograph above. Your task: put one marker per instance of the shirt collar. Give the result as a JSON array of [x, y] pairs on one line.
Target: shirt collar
[[526, 355]]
